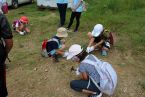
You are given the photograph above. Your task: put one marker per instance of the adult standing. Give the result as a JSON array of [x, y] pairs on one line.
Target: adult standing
[[62, 7], [6, 44], [77, 8]]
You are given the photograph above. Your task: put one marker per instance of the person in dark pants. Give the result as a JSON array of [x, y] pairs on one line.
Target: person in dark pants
[[85, 71], [77, 9], [6, 44], [62, 7]]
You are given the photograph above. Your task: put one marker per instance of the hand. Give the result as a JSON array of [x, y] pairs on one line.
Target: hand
[[77, 71], [21, 33], [92, 48], [65, 54], [73, 9], [88, 49]]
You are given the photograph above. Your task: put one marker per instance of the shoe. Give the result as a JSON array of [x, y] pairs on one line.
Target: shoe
[[100, 95], [104, 53], [75, 30], [55, 58]]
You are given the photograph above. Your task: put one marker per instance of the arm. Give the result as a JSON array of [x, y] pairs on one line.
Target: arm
[[9, 44], [91, 41], [99, 43], [17, 30], [84, 76], [79, 3], [6, 33], [19, 27]]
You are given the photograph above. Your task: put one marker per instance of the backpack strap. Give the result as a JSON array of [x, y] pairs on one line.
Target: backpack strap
[[97, 68], [54, 39]]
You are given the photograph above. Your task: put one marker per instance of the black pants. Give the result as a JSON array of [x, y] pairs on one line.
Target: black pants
[[3, 89], [62, 11], [76, 15], [79, 85]]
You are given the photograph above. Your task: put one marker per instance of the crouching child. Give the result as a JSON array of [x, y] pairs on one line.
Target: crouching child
[[21, 25], [56, 45], [99, 39]]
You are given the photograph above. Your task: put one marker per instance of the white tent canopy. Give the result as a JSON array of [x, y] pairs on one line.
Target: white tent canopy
[[50, 3]]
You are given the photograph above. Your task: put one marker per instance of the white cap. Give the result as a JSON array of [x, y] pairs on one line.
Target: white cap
[[98, 29], [74, 50]]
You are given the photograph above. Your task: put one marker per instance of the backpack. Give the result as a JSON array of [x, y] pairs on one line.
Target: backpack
[[108, 76], [14, 24], [111, 39], [44, 52]]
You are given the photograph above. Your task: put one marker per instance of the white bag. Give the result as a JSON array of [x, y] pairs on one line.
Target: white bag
[[108, 76]]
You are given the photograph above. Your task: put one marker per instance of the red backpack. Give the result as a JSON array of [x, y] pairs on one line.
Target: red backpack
[[44, 44], [111, 39]]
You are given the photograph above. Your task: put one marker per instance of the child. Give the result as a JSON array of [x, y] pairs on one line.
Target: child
[[20, 25], [98, 40], [55, 46]]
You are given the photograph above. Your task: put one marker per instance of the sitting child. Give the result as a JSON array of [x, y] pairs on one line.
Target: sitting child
[[21, 25], [55, 46], [99, 39]]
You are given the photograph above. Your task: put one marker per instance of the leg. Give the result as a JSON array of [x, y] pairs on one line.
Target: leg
[[63, 14], [81, 86], [60, 12], [3, 89], [71, 19], [78, 15], [89, 35]]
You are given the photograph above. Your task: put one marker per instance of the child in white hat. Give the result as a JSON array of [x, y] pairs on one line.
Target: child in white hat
[[98, 40]]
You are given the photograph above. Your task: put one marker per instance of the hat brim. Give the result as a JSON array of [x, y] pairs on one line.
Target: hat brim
[[95, 34], [24, 21], [60, 35], [70, 55]]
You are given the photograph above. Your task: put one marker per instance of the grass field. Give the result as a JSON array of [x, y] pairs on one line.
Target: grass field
[[30, 75]]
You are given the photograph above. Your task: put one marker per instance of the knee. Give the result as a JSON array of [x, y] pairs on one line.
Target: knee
[[72, 84], [89, 35]]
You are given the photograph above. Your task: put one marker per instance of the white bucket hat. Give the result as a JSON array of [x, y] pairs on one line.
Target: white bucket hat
[[74, 50], [62, 32], [98, 28]]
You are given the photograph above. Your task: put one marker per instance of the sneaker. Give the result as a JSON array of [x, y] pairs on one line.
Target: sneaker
[[75, 30], [104, 53], [100, 95], [55, 58]]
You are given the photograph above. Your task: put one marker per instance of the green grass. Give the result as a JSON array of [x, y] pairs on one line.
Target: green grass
[[124, 18]]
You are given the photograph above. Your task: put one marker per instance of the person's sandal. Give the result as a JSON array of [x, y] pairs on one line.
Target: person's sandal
[[55, 58]]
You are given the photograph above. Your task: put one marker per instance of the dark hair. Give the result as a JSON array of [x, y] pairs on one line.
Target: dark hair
[[82, 55]]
